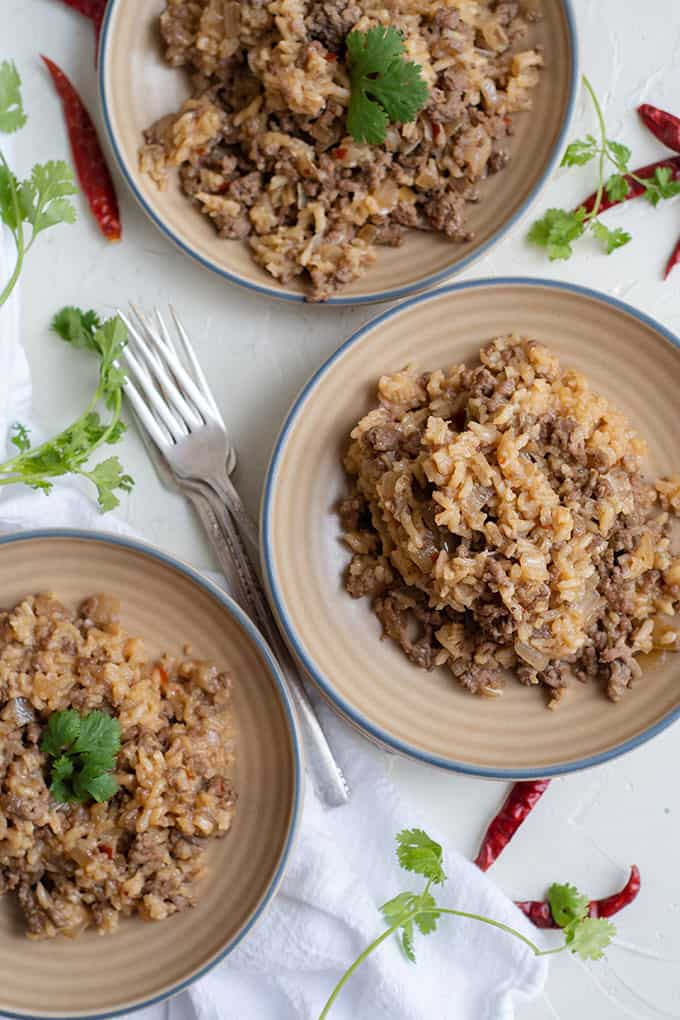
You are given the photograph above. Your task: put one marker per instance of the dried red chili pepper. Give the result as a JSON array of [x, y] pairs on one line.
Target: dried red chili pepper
[[635, 189], [611, 905], [539, 913], [519, 803], [94, 10], [673, 261], [664, 125], [93, 173], [104, 849]]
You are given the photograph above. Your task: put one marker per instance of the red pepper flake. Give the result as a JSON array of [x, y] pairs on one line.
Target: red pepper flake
[[436, 130], [519, 803], [104, 849], [673, 261], [331, 56], [539, 913], [94, 10], [340, 153], [163, 675], [93, 173], [664, 125]]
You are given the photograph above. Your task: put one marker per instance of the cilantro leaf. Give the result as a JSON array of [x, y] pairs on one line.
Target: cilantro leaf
[[617, 187], [61, 733], [590, 937], [92, 782], [661, 185], [384, 87], [418, 853], [610, 239], [21, 437], [619, 154], [567, 904], [663, 178], [10, 213], [44, 198], [99, 735], [580, 152], [84, 749], [77, 328], [557, 230], [407, 941], [394, 910], [12, 116], [107, 477], [427, 922], [62, 772]]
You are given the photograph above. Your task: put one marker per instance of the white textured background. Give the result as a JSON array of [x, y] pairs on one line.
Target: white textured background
[[590, 827]]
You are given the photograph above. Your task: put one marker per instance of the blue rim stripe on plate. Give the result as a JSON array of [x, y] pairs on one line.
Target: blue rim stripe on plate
[[388, 295], [270, 572], [234, 610]]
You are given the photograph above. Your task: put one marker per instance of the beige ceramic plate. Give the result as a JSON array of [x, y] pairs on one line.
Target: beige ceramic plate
[[167, 604], [632, 360], [137, 87]]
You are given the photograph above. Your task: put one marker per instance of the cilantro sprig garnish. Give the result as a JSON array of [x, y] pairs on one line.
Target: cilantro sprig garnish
[[70, 451], [559, 228], [41, 201], [412, 912], [83, 750], [385, 87]]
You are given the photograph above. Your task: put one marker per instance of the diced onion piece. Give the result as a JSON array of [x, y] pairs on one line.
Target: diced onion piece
[[537, 660]]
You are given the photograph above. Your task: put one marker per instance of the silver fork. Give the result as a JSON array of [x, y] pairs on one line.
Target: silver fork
[[177, 412]]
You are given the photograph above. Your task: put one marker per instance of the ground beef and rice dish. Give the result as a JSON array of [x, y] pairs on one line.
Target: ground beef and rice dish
[[262, 147], [142, 852], [500, 523]]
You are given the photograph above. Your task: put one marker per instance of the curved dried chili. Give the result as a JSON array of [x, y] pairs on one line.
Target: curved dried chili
[[539, 913], [93, 173], [664, 125], [519, 803], [635, 189], [94, 10], [673, 261]]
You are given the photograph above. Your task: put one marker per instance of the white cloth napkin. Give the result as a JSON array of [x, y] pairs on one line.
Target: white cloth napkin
[[341, 869]]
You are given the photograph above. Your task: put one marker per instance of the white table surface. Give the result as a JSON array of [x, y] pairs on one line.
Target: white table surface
[[257, 353]]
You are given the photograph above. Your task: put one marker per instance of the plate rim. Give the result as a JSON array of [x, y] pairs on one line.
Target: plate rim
[[376, 297], [267, 556], [232, 607]]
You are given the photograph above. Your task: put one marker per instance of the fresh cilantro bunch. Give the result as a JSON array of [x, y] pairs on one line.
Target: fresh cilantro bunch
[[385, 87], [69, 452], [409, 912], [41, 201], [83, 749], [559, 228]]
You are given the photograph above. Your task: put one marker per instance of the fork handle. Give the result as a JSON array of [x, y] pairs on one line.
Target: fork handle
[[326, 775], [224, 487]]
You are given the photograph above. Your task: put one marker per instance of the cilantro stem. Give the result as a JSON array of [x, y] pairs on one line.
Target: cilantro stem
[[436, 911], [593, 214], [74, 446], [8, 468], [357, 963], [18, 234], [497, 924]]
